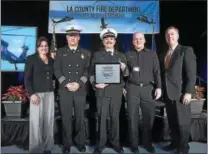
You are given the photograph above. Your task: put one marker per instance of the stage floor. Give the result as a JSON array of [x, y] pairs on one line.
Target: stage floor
[[195, 148]]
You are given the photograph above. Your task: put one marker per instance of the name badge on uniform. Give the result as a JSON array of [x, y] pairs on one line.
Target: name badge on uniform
[[82, 56], [64, 55], [136, 69]]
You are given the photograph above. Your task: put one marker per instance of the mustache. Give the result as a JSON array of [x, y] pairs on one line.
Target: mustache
[[109, 42]]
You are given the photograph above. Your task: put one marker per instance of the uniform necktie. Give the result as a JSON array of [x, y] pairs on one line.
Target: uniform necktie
[[73, 50], [167, 59], [110, 52]]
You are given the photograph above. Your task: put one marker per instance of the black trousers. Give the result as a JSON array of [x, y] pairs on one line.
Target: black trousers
[[67, 101], [140, 97], [179, 120], [108, 105]]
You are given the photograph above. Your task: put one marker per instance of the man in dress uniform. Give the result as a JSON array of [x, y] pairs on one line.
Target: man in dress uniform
[[108, 96], [71, 69], [179, 76], [144, 76]]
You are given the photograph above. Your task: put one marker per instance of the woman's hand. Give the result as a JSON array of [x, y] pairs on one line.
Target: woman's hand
[[35, 99]]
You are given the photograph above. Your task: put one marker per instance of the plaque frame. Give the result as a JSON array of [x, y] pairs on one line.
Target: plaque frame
[[117, 64]]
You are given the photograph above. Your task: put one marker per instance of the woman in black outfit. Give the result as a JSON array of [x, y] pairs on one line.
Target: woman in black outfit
[[39, 84]]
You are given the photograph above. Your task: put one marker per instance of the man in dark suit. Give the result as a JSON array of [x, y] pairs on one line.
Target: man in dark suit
[[108, 96], [178, 69], [71, 69]]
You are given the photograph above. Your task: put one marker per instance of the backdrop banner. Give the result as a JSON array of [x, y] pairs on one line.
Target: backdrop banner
[[93, 16]]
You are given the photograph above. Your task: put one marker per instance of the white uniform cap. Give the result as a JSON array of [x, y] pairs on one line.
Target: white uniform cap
[[72, 29], [108, 32]]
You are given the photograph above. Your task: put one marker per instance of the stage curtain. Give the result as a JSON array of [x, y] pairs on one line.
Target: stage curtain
[[198, 129], [15, 132]]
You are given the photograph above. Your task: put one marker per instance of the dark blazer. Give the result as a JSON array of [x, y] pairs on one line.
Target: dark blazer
[[38, 76], [72, 66], [180, 76], [103, 56]]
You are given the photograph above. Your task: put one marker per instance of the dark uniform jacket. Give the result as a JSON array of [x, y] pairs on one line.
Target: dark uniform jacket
[[143, 67], [180, 76], [72, 66], [38, 76], [103, 56]]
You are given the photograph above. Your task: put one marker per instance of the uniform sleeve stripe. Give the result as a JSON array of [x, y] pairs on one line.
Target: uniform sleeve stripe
[[83, 79], [61, 79]]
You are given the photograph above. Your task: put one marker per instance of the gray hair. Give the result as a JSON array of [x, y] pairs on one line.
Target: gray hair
[[139, 33], [171, 27]]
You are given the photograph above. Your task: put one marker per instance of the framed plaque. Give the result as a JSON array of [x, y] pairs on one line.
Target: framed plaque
[[107, 73]]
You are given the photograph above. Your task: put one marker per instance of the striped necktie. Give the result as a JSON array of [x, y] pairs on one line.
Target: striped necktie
[[167, 59]]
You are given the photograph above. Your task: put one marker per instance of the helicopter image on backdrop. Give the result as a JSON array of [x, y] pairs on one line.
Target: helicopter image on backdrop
[[145, 19], [146, 15], [14, 49], [62, 20]]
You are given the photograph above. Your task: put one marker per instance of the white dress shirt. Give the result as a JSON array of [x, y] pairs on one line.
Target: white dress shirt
[[111, 51]]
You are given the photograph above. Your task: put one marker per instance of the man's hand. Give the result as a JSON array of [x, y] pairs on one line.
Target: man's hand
[[69, 86], [72, 86], [75, 86], [158, 93], [101, 86], [35, 99], [186, 98], [122, 65]]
